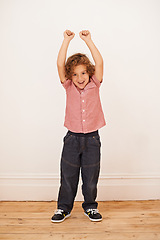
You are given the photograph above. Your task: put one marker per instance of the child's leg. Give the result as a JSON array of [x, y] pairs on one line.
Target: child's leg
[[70, 168], [90, 171]]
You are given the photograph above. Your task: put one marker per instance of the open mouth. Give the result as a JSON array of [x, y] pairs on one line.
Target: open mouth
[[81, 82]]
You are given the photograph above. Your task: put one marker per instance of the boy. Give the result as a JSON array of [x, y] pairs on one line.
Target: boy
[[83, 117]]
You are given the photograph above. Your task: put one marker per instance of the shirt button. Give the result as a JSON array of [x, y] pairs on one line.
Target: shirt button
[[83, 110], [82, 100], [83, 120]]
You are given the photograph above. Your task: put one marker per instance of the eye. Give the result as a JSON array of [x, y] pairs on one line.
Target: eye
[[74, 74], [84, 73]]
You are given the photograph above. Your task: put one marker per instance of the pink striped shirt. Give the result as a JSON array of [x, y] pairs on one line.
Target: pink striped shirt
[[83, 112]]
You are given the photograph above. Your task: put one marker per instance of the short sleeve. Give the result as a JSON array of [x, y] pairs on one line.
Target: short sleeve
[[66, 83], [96, 81]]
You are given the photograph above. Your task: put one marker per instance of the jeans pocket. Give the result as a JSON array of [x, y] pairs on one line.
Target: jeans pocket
[[97, 140], [67, 138]]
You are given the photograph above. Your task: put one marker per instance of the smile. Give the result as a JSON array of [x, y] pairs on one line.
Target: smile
[[81, 82]]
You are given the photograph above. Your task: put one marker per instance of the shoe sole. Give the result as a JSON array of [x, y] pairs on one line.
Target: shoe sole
[[59, 221], [93, 220]]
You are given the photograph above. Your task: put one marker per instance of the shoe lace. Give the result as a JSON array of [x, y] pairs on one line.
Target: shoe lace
[[59, 211], [93, 211]]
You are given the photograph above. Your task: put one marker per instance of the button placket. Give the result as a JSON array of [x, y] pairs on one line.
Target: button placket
[[83, 111]]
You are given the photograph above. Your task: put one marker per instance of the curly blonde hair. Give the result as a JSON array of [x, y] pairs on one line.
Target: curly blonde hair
[[75, 60]]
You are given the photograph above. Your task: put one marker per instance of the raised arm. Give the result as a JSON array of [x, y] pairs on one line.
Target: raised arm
[[68, 36], [86, 36]]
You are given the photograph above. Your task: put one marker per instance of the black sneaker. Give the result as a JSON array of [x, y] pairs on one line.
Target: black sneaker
[[59, 216], [93, 215]]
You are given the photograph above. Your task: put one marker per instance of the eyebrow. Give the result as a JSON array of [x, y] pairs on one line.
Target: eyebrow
[[82, 71]]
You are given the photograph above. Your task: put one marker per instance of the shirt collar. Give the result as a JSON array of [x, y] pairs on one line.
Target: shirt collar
[[91, 84]]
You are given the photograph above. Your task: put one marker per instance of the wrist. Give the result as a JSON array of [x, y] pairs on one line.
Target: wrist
[[66, 40], [88, 41]]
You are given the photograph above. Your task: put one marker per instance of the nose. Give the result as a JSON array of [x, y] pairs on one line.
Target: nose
[[80, 78]]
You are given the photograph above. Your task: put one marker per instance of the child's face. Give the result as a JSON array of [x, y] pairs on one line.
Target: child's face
[[80, 77]]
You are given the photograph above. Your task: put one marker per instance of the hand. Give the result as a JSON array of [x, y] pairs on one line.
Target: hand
[[69, 35], [85, 35]]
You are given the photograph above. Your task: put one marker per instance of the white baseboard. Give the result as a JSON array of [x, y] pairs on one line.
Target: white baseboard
[[39, 187]]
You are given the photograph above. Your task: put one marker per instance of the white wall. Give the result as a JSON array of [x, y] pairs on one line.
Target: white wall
[[32, 101]]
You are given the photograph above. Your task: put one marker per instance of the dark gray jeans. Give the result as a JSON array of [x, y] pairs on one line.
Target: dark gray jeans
[[80, 151]]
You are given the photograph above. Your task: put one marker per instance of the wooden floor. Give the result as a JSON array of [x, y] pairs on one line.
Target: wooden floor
[[121, 220]]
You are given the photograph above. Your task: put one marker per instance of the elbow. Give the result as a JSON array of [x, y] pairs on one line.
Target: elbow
[[99, 62], [60, 65]]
